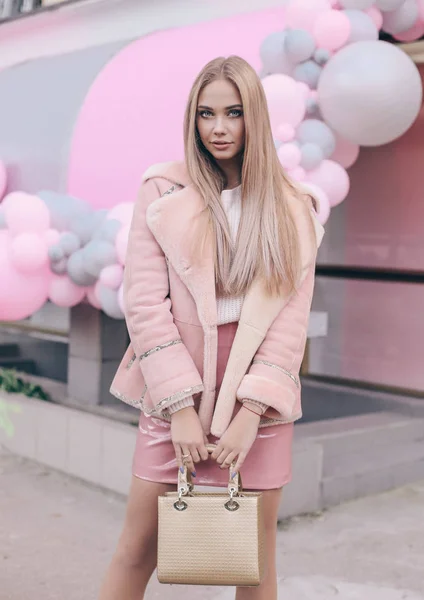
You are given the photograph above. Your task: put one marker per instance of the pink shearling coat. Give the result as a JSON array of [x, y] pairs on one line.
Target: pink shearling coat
[[171, 315]]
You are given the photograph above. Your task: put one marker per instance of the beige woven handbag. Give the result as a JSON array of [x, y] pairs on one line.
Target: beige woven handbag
[[211, 538]]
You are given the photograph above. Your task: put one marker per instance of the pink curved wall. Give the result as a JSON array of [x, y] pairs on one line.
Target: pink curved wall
[[133, 114]]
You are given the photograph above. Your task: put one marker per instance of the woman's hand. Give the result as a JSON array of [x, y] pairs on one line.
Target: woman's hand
[[188, 438], [237, 440]]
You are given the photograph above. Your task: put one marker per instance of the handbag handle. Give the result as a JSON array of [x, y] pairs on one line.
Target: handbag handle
[[185, 484]]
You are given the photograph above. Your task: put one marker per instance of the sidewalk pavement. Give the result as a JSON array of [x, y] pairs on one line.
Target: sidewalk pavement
[[57, 535]]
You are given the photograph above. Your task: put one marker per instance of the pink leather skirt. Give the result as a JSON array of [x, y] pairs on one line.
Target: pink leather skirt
[[267, 466]]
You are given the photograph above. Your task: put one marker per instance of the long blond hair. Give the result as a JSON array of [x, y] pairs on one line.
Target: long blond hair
[[267, 243]]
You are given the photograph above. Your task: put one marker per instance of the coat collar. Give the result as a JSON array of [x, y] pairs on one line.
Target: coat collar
[[172, 219]]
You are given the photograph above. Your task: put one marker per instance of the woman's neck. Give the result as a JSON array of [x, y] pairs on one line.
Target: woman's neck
[[232, 172]]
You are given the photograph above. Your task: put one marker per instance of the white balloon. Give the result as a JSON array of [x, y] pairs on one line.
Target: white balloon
[[388, 5], [370, 93], [362, 27], [401, 19]]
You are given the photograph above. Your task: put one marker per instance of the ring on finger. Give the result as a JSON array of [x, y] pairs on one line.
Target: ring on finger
[[185, 455]]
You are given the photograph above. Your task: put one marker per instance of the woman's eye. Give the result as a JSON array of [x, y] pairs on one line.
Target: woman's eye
[[236, 112], [205, 113]]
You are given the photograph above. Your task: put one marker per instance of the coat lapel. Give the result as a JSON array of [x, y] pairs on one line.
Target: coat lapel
[[172, 220], [258, 312]]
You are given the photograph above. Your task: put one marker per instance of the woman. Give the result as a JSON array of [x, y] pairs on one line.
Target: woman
[[218, 287]]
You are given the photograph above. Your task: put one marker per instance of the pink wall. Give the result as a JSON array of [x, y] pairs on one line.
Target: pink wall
[[132, 116], [385, 208]]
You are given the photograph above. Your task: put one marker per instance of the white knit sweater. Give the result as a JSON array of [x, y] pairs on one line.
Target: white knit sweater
[[228, 309]]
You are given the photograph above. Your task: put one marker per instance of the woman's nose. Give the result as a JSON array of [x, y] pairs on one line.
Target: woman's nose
[[219, 125]]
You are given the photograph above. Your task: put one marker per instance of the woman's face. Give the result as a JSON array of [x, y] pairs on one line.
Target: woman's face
[[220, 120]]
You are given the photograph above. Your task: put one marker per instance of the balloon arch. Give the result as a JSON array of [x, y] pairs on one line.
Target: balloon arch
[[331, 87]]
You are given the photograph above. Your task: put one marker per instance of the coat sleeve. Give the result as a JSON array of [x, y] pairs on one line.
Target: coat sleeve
[[168, 370], [273, 377]]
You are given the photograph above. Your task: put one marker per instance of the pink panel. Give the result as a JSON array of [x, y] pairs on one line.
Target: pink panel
[[132, 116], [385, 208]]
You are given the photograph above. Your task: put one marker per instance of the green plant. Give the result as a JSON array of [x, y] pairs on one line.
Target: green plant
[[11, 383]]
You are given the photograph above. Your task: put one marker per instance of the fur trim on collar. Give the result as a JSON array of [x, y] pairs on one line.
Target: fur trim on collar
[[175, 172]]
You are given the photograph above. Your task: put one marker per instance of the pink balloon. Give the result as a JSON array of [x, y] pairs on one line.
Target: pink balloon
[[286, 102], [29, 252], [121, 298], [52, 236], [64, 292], [24, 212], [302, 14], [298, 173], [112, 276], [121, 243], [304, 88], [376, 16], [122, 212], [289, 155], [20, 295], [324, 207], [331, 30], [285, 133], [411, 34], [346, 152], [97, 287], [421, 10], [3, 179], [92, 297], [332, 179]]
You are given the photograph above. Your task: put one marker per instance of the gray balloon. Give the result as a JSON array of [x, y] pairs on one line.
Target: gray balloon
[[308, 72], [76, 270], [401, 19], [108, 230], [362, 27], [312, 156], [97, 255], [388, 5], [84, 227], [109, 302], [316, 132], [358, 4], [299, 45], [273, 56], [60, 267], [312, 108], [277, 144], [100, 216], [322, 56], [55, 253], [69, 242], [3, 224], [63, 208]]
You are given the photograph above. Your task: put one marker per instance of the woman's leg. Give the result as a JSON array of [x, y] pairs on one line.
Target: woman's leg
[[135, 557], [268, 588]]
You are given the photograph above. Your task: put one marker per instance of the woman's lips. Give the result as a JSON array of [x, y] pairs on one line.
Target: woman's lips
[[221, 145]]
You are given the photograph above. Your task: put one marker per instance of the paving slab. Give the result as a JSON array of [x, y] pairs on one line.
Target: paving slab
[[57, 535]]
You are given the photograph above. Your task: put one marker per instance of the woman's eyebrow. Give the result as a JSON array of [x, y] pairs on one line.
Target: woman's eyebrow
[[227, 108]]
